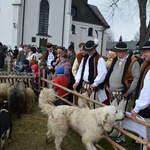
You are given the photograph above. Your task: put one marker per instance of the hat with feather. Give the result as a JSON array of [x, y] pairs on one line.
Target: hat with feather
[[90, 45]]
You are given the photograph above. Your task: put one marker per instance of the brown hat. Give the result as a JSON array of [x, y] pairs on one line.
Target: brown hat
[[24, 45], [49, 45]]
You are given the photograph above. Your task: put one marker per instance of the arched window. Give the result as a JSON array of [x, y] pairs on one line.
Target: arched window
[[73, 11], [43, 18], [90, 32], [73, 29]]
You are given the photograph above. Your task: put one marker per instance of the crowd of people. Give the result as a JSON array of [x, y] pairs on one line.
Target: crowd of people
[[112, 82]]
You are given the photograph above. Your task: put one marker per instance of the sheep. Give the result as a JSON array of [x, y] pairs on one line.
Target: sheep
[[5, 124], [30, 99], [17, 97], [3, 91]]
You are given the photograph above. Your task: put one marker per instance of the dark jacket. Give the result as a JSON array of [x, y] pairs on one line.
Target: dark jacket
[[15, 53], [21, 56], [45, 54]]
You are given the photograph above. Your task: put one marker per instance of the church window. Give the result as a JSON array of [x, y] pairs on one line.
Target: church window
[[33, 39], [73, 11], [90, 32], [44, 17], [73, 29]]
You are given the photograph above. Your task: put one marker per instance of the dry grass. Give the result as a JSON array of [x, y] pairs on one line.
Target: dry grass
[[29, 134]]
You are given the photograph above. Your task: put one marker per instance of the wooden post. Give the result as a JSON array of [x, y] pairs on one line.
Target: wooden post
[[148, 145], [44, 76]]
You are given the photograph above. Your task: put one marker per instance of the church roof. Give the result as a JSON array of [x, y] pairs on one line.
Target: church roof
[[98, 14], [88, 13], [131, 45]]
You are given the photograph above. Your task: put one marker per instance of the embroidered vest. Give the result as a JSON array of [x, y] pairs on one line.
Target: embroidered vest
[[92, 68], [79, 58], [127, 77]]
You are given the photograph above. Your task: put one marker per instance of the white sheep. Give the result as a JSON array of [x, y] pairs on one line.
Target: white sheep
[[3, 91], [30, 99]]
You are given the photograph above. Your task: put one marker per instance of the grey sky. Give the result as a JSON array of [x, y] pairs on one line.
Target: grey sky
[[125, 21]]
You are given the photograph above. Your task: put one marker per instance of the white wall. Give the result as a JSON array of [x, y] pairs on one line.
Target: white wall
[[31, 21], [11, 11], [55, 21], [6, 22], [9, 14], [17, 22], [81, 35], [67, 24], [104, 43]]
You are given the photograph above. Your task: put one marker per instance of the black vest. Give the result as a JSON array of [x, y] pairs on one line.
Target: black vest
[[92, 69]]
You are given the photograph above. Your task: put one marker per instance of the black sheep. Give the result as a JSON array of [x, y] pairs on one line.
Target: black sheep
[[5, 124], [16, 97]]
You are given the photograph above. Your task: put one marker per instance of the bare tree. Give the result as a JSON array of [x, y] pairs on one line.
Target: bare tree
[[136, 36], [147, 36], [110, 36], [142, 9], [142, 13]]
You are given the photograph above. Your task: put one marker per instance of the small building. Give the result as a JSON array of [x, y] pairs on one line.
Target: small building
[[132, 45]]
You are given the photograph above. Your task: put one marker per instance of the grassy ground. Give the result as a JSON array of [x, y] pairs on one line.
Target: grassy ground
[[29, 134]]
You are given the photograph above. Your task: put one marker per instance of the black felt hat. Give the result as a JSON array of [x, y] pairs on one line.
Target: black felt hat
[[121, 46], [90, 45], [71, 47], [33, 49], [135, 53], [146, 46]]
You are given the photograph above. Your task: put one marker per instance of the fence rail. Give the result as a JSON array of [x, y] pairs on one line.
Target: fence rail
[[116, 146], [13, 76]]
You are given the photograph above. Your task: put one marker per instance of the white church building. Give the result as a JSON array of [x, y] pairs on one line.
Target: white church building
[[57, 21]]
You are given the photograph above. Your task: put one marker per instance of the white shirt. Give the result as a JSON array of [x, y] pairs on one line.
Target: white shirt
[[50, 58], [38, 55], [31, 56], [20, 49], [144, 98], [101, 70]]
